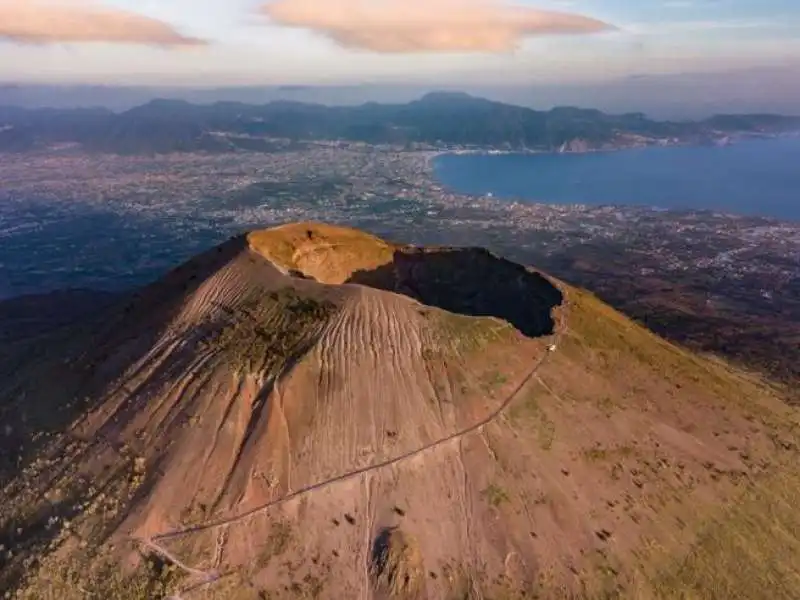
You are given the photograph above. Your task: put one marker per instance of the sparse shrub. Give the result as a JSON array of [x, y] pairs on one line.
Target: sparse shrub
[[277, 542], [595, 453], [495, 495], [465, 334], [527, 412], [493, 380], [80, 580], [267, 330]]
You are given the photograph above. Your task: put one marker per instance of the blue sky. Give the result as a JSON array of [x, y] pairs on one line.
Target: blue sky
[[243, 45]]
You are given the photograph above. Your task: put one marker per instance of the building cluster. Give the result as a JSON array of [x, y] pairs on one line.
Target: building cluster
[[159, 209]]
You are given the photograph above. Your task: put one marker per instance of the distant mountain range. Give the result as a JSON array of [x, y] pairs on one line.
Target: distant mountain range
[[442, 119]]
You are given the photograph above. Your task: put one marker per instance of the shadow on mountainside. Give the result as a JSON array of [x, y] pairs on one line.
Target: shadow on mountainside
[[469, 281], [57, 362]]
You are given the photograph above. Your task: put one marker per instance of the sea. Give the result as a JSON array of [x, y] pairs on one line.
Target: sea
[[48, 244], [753, 177]]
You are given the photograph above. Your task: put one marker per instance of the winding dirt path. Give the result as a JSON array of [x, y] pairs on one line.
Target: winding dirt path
[[210, 576]]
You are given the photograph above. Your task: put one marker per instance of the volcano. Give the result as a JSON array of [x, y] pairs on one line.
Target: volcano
[[310, 411]]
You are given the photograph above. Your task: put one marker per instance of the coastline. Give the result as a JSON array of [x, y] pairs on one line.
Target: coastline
[[690, 179], [720, 141]]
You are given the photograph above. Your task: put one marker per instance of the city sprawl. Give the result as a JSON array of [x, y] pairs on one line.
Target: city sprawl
[[72, 219]]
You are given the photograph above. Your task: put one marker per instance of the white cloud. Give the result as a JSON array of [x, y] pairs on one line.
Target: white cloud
[[49, 21], [402, 26]]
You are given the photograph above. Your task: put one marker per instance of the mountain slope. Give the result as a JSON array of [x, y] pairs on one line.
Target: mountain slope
[[163, 126], [309, 411]]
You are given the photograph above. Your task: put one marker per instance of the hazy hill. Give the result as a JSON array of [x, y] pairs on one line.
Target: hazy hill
[[312, 412], [163, 126], [676, 95]]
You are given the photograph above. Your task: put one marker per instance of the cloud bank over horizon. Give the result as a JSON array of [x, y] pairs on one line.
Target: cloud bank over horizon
[[415, 26], [69, 21]]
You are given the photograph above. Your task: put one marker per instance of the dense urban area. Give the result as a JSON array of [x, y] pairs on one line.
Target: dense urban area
[[722, 283]]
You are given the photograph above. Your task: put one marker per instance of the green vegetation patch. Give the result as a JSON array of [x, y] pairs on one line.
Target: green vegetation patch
[[493, 380], [495, 495], [749, 552], [463, 334], [267, 330], [80, 579], [598, 332], [526, 412], [600, 453]]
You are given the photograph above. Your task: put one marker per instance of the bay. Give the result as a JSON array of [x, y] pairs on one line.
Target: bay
[[756, 177]]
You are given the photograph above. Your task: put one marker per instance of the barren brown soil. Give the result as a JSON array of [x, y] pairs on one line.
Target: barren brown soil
[[311, 412]]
